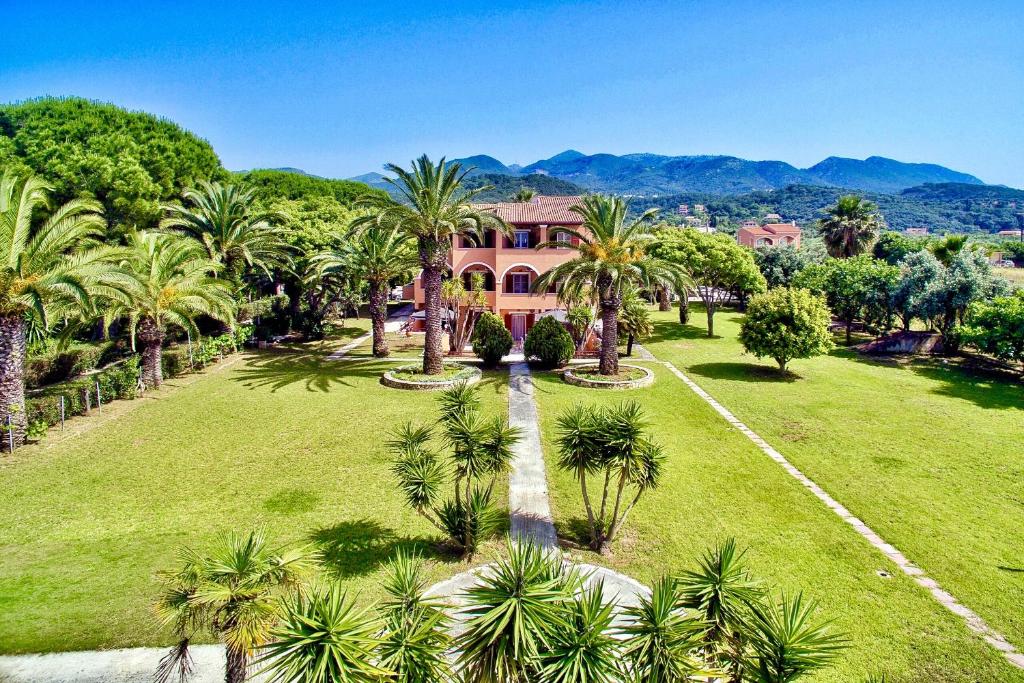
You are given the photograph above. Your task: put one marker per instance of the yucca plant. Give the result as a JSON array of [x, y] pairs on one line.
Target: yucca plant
[[721, 592], [662, 642], [609, 441], [49, 267], [479, 451], [786, 643], [585, 650], [415, 639], [323, 638], [514, 614], [233, 593]]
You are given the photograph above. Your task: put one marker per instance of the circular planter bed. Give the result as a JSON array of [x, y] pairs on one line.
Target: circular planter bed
[[629, 377], [412, 377]]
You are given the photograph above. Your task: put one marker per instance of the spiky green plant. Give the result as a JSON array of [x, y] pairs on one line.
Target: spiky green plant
[[786, 643], [586, 650], [323, 638], [513, 615], [232, 593], [662, 642], [433, 207], [611, 252]]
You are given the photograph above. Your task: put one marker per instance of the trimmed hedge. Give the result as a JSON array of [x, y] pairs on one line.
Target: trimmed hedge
[[491, 340], [549, 344], [118, 381], [52, 366]]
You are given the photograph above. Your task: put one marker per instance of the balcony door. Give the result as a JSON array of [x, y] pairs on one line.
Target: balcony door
[[518, 326]]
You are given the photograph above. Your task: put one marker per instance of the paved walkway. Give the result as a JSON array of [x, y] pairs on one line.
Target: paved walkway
[[392, 324], [974, 622], [527, 484]]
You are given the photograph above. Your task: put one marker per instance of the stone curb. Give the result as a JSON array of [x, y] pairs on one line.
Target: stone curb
[[389, 380], [572, 378]]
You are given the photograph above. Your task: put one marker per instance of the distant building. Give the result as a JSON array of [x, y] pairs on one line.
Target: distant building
[[683, 209], [699, 208], [1009, 233], [769, 235], [773, 218], [749, 224], [916, 232]]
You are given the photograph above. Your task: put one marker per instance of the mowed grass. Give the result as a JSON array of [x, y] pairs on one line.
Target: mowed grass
[[927, 452], [1014, 275], [283, 437], [717, 484]]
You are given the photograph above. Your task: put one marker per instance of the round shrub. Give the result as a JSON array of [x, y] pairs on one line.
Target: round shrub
[[549, 344], [785, 324], [491, 340]]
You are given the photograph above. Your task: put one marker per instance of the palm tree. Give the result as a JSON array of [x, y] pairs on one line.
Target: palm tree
[[378, 255], [947, 248], [524, 194], [662, 641], [234, 232], [232, 593], [612, 253], [787, 645], [165, 280], [434, 209], [634, 319], [46, 271], [851, 228]]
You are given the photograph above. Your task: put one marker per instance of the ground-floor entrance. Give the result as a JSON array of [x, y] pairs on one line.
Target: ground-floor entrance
[[518, 325]]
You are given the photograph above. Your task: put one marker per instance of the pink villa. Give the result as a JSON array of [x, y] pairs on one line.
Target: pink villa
[[768, 235], [510, 266]]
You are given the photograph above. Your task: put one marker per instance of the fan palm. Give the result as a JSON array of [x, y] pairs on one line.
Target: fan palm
[[433, 209], [232, 593], [524, 194], [611, 253], [46, 271], [165, 280], [946, 249], [377, 255], [851, 227], [235, 234]]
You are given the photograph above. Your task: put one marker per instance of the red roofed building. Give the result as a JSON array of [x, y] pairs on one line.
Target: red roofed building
[[510, 266], [769, 235]]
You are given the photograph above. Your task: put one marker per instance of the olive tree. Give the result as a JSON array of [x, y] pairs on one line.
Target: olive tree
[[786, 323]]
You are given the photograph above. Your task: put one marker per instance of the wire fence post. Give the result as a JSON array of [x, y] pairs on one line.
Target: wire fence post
[[191, 364], [88, 400], [10, 433], [62, 412], [99, 398]]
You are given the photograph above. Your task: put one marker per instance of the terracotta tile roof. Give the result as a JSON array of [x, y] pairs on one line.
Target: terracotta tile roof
[[779, 228], [541, 209], [756, 232]]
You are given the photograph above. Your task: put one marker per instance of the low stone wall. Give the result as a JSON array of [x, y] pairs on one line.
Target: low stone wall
[[571, 377], [389, 380], [904, 342]]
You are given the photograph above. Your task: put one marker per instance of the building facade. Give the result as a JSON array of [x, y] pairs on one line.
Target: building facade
[[510, 265], [768, 235]]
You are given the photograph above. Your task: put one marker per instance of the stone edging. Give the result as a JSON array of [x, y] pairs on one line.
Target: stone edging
[[648, 379], [388, 379]]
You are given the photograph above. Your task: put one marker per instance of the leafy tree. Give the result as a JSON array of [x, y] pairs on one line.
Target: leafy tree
[[611, 254], [851, 227], [945, 303], [164, 280], [549, 344], [462, 309], [717, 266], [231, 593], [480, 450], [271, 185], [434, 207], [609, 443], [49, 270], [227, 222], [779, 265], [581, 321], [635, 319], [491, 339], [892, 247], [918, 272], [128, 161], [859, 287], [997, 326], [378, 256], [785, 324]]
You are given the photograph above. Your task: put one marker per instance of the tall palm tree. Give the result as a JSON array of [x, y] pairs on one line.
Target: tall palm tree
[[433, 208], [47, 270], [947, 248], [234, 232], [165, 280], [524, 194], [851, 227], [233, 593], [378, 255], [611, 253]]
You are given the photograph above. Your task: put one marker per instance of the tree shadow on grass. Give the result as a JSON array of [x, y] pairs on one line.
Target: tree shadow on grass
[[674, 331], [743, 372], [986, 388], [281, 368], [355, 548]]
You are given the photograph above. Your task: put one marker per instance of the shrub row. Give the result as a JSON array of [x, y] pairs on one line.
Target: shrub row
[[175, 359], [118, 381], [53, 365]]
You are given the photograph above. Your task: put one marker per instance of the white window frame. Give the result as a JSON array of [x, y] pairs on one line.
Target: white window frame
[[564, 239]]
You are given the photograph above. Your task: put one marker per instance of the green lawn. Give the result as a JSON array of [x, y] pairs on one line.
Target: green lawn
[[1015, 275], [718, 484], [281, 437]]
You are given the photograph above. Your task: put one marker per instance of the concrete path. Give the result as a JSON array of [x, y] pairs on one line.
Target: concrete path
[[134, 665], [974, 622], [392, 324], [527, 484]]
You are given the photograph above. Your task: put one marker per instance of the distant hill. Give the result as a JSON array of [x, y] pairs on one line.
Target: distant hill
[[481, 163], [878, 174], [505, 186]]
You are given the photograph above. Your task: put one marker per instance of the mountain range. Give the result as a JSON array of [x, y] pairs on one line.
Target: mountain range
[[656, 174]]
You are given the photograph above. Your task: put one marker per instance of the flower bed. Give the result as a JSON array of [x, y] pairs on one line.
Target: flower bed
[[629, 377], [412, 377]]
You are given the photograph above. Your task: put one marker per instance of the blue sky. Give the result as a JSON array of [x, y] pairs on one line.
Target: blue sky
[[340, 88]]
